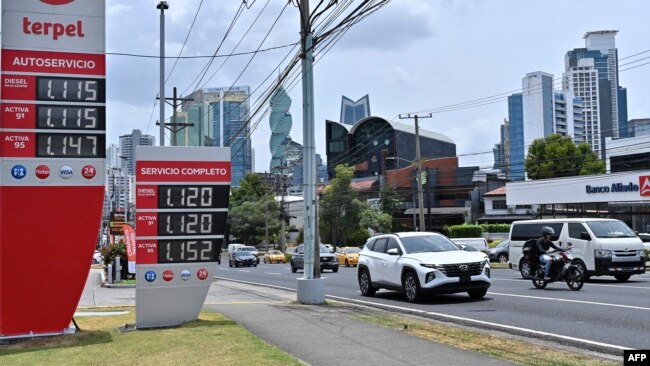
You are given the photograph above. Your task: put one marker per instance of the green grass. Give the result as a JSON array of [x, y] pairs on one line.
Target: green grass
[[523, 353], [211, 340]]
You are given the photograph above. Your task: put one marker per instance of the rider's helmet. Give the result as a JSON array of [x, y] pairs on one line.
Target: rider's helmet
[[547, 230]]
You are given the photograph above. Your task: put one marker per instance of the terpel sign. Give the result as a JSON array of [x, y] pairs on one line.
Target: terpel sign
[[643, 187]]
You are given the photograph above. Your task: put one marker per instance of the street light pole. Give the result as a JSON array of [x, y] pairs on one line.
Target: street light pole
[[419, 166], [162, 6]]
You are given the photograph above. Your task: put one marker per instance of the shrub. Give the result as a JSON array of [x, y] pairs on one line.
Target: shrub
[[496, 228], [465, 231], [117, 249]]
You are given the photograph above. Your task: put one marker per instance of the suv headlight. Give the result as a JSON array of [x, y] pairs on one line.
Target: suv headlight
[[600, 253], [433, 266]]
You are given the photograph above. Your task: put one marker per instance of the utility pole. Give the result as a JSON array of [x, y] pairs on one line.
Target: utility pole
[[419, 163], [162, 6], [175, 127], [309, 290]]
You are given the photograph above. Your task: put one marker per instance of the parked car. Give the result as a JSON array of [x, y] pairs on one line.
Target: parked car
[[252, 250], [234, 246], [242, 258], [349, 256], [327, 259], [478, 243], [420, 262], [473, 250], [274, 256], [499, 253], [97, 257]]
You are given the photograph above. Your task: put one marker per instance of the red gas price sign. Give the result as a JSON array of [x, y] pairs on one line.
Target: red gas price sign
[[182, 198], [52, 150]]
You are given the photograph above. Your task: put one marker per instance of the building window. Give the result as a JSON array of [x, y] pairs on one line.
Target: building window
[[499, 205]]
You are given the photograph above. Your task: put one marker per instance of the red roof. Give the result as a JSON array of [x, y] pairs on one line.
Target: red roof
[[364, 185], [501, 191]]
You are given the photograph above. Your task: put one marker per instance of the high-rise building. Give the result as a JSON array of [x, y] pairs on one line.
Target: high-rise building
[[352, 111], [537, 106], [113, 156], [639, 127], [537, 112], [500, 157], [127, 148], [515, 141], [591, 74], [280, 123], [227, 111]]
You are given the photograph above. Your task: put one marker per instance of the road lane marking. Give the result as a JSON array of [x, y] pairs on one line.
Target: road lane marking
[[574, 301], [478, 322], [586, 284], [272, 273], [525, 331]]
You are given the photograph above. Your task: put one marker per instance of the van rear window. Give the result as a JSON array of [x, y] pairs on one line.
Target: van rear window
[[523, 232]]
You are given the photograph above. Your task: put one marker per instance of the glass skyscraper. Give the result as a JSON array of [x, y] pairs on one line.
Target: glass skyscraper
[[280, 123], [591, 73], [516, 138], [226, 111]]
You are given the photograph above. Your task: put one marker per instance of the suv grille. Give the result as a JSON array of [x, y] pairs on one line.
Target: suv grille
[[463, 269]]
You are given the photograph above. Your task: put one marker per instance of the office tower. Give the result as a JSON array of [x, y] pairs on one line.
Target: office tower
[[113, 156], [280, 122], [537, 105], [199, 131], [127, 148], [499, 150], [639, 127], [591, 74], [227, 111], [537, 112], [515, 130], [352, 111]]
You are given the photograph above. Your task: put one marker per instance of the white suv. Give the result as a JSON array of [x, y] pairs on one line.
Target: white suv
[[418, 262]]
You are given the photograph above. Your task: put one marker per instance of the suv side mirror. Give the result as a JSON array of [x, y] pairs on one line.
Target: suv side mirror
[[393, 251], [585, 236]]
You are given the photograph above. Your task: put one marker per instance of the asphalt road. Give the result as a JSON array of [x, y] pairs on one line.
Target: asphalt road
[[603, 311]]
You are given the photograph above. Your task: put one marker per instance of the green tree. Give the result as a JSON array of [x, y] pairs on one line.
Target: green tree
[[339, 208], [558, 156], [252, 208], [376, 220]]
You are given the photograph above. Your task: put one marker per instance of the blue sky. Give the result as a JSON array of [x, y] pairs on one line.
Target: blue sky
[[410, 56]]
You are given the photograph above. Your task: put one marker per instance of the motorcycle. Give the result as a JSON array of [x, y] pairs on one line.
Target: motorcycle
[[561, 270]]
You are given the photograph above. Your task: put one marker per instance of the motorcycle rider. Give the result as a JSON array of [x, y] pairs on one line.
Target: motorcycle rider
[[543, 245]]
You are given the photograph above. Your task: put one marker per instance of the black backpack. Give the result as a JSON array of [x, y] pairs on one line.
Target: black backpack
[[529, 249]]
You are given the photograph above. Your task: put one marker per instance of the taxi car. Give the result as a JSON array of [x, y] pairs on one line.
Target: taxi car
[[349, 256], [274, 256]]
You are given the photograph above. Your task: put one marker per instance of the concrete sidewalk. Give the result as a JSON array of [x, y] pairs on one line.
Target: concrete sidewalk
[[315, 334]]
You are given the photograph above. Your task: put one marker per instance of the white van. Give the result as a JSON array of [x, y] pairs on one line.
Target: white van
[[602, 247], [478, 243], [234, 247]]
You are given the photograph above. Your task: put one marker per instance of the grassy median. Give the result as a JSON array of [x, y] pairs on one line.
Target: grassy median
[[210, 340], [509, 349]]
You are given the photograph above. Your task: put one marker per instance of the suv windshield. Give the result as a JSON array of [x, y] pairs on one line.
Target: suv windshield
[[610, 229], [429, 243], [242, 253]]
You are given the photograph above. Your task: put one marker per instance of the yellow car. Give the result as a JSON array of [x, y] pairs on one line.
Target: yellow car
[[274, 256], [348, 256]]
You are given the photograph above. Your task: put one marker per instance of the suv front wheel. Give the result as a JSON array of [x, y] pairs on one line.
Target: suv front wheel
[[411, 286], [365, 283]]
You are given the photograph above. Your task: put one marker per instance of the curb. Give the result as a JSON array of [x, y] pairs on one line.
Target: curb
[[592, 346], [111, 285]]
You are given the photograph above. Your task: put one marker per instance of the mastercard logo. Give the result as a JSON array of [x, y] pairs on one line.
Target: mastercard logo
[[57, 2]]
